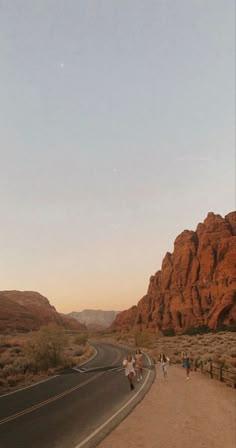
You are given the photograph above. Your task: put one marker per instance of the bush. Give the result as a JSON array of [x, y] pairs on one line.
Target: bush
[[46, 347], [81, 339], [169, 332], [79, 352], [144, 338], [202, 329], [2, 382], [16, 350], [7, 370], [223, 327]]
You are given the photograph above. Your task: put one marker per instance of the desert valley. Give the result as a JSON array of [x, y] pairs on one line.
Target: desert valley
[[118, 224], [190, 306]]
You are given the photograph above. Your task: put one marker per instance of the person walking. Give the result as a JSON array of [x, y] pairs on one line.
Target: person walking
[[186, 364], [163, 361], [128, 363], [139, 364]]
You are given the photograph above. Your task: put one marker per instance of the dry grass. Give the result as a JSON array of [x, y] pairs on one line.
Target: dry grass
[[219, 348], [20, 365]]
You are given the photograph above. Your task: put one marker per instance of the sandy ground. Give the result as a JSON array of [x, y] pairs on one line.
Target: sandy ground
[[180, 413]]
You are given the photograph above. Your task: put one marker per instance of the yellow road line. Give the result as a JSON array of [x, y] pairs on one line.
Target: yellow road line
[[56, 397], [50, 400]]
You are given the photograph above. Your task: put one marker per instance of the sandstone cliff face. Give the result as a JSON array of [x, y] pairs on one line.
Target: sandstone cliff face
[[25, 311], [196, 284]]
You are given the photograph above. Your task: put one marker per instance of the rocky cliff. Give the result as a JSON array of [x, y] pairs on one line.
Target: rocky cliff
[[196, 285], [25, 311]]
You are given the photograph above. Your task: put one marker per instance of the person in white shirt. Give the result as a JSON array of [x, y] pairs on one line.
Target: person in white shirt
[[128, 363]]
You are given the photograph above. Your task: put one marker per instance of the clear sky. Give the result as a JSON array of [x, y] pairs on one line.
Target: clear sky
[[116, 133]]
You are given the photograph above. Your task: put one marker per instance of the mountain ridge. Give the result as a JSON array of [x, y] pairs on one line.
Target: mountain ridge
[[28, 310], [94, 319]]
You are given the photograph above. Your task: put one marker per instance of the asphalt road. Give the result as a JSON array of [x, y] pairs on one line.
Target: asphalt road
[[71, 410]]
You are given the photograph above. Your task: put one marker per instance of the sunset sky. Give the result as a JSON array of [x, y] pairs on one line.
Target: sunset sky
[[116, 133]]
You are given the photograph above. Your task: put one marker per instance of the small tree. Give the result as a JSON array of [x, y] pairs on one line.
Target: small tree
[[81, 339], [46, 347]]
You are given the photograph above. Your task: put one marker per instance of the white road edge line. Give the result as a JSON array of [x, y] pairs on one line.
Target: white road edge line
[[88, 360], [81, 444], [27, 387], [48, 401]]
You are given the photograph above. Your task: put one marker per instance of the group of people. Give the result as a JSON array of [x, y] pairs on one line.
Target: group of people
[[164, 361], [134, 366]]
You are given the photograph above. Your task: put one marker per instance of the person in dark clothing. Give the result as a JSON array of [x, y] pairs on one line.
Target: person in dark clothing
[[186, 364]]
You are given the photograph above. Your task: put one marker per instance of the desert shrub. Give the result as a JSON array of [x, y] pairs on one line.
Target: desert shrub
[[143, 338], [6, 345], [2, 382], [197, 362], [24, 365], [69, 362], [233, 353], [46, 347], [12, 380], [223, 327], [16, 350], [232, 362], [169, 332], [206, 358], [81, 339], [222, 361], [202, 329], [79, 352], [69, 349], [2, 363], [7, 370]]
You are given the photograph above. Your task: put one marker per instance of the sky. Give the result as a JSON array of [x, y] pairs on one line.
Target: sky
[[117, 128]]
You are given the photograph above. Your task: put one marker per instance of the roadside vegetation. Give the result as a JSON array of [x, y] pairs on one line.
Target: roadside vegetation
[[218, 348], [30, 357]]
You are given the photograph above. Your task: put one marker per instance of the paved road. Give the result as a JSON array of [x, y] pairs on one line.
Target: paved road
[[64, 411]]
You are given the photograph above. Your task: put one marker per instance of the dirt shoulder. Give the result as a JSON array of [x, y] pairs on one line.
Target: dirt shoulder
[[180, 413]]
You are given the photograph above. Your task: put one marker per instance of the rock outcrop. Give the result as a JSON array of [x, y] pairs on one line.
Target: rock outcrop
[[196, 285], [25, 311]]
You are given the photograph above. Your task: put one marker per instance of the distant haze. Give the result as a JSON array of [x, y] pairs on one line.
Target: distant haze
[[94, 317], [117, 133]]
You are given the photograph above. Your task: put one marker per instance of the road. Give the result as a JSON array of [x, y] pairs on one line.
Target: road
[[65, 411]]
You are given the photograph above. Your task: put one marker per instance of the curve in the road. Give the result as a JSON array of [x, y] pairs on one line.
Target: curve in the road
[[116, 414], [74, 409]]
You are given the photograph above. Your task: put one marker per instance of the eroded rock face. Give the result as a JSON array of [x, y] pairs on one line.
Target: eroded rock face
[[196, 284], [25, 311]]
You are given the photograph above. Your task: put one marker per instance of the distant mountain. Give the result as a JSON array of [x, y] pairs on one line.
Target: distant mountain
[[29, 310], [94, 319], [196, 286]]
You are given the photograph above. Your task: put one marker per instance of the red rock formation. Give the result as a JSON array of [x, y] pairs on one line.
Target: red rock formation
[[196, 284], [25, 311]]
